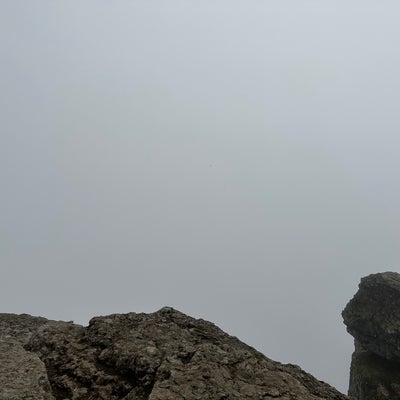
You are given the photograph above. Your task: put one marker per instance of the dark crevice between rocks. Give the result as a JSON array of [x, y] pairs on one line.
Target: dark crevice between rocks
[[58, 391], [186, 356]]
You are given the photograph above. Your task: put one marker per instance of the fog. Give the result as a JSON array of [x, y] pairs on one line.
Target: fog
[[237, 160]]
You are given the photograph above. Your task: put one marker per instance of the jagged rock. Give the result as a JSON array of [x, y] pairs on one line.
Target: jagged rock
[[22, 374], [373, 315], [373, 318], [165, 355]]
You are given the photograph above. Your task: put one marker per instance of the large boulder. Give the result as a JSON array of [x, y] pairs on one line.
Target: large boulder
[[165, 355], [372, 317]]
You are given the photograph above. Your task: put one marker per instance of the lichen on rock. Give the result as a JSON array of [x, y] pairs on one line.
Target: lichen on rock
[[165, 355]]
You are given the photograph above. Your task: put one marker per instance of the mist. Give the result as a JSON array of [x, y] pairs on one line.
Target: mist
[[235, 160]]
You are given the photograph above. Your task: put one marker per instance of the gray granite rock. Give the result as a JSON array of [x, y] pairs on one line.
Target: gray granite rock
[[373, 318], [165, 355], [22, 374], [373, 315]]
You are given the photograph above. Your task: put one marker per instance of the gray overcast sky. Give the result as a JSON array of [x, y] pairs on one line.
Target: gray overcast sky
[[237, 160]]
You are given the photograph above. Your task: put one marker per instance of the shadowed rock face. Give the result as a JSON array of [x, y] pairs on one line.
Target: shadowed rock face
[[160, 356], [373, 318]]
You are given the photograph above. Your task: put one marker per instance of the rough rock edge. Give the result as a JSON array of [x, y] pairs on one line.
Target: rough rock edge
[[372, 317], [22, 374], [175, 357]]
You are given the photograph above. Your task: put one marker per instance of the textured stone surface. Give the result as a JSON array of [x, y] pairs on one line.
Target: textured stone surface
[[22, 374], [162, 356], [373, 377], [373, 318], [373, 315]]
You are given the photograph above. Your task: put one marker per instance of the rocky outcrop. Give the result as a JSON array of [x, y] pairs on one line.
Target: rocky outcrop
[[165, 355], [22, 374], [373, 318]]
